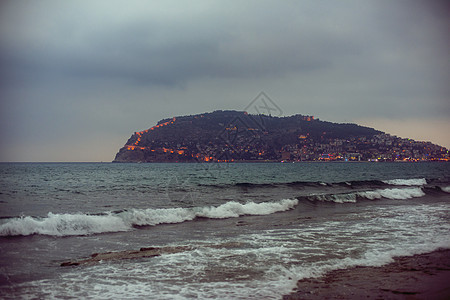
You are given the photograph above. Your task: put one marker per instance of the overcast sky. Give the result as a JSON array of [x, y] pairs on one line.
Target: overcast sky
[[79, 77]]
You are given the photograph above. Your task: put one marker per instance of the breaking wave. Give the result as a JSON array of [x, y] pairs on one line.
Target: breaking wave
[[395, 194], [84, 224], [300, 184], [446, 189], [409, 182]]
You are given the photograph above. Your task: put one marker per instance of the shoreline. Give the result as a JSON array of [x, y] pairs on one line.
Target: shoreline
[[422, 276], [271, 161]]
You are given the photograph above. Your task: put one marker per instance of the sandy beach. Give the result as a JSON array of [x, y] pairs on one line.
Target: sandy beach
[[425, 276]]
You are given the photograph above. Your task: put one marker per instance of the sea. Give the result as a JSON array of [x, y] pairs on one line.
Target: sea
[[242, 230]]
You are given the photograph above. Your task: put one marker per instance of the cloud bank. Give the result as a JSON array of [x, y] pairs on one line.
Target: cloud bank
[[80, 75]]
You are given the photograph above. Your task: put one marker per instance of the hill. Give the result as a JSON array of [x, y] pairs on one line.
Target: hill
[[223, 136]]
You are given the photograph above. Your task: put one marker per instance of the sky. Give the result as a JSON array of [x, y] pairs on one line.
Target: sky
[[79, 77]]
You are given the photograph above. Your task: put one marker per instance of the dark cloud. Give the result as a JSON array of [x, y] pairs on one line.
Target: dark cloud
[[174, 51], [108, 67]]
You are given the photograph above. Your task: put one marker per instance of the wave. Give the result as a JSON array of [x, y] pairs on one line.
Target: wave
[[351, 183], [409, 182], [85, 224], [446, 189], [293, 184], [395, 194], [372, 258], [63, 224]]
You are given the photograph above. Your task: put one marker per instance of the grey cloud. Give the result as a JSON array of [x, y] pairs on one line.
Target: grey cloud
[[79, 66], [151, 52]]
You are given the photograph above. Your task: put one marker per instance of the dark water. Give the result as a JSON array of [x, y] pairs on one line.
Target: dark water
[[284, 222]]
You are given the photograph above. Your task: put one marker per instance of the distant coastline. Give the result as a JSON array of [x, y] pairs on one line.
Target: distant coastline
[[262, 162]]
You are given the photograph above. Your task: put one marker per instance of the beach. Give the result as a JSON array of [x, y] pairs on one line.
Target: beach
[[424, 276]]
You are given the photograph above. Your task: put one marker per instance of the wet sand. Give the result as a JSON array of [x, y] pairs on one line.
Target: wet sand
[[425, 276]]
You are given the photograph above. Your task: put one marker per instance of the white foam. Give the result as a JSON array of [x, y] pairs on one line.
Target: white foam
[[446, 189], [408, 182], [82, 224], [145, 217], [63, 224], [396, 194], [372, 258], [338, 198], [235, 209]]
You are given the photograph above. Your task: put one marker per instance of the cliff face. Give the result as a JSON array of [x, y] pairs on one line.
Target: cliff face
[[237, 136]]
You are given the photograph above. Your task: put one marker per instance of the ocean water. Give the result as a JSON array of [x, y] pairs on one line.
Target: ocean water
[[245, 231]]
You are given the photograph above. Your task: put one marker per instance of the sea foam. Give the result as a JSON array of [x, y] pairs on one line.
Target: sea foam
[[84, 224], [408, 182], [446, 189], [63, 224], [395, 194]]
